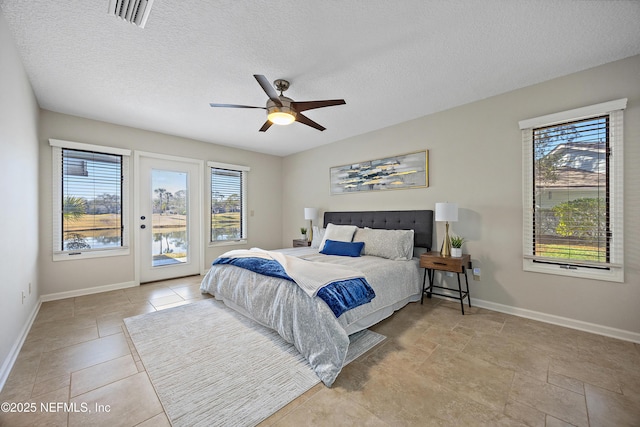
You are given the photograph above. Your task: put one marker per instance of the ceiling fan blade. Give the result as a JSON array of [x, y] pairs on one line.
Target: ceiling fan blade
[[310, 105], [235, 106], [265, 126], [268, 89], [307, 121]]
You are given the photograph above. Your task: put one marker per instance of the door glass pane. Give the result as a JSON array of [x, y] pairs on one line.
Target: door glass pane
[[169, 219]]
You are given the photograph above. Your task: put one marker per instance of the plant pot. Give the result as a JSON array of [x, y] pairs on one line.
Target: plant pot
[[303, 237], [456, 252]]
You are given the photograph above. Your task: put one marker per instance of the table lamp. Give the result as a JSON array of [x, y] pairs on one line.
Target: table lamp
[[446, 212], [310, 214]]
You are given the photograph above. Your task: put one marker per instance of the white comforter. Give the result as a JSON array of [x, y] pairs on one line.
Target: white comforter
[[307, 322], [310, 276]]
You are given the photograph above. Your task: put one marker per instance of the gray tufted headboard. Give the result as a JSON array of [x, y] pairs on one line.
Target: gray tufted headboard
[[419, 221]]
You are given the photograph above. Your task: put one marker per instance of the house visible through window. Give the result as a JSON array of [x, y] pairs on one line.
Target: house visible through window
[[89, 191], [573, 192], [228, 202]]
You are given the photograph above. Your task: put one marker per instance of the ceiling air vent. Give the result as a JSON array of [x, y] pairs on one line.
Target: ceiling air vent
[[133, 11]]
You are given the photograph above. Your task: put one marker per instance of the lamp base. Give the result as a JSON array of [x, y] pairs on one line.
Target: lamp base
[[446, 244]]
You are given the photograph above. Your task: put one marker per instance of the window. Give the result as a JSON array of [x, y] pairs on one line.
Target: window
[[228, 203], [90, 187], [572, 184]]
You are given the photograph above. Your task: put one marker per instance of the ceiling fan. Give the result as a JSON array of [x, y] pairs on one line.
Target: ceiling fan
[[282, 110]]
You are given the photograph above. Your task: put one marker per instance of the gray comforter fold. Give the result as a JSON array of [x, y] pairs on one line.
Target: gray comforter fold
[[304, 321]]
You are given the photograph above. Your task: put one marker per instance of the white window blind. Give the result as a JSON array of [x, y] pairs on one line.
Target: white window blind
[[572, 192], [228, 202], [91, 200], [90, 193]]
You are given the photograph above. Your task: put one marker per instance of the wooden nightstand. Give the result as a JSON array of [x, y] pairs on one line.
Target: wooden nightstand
[[432, 261], [299, 243]]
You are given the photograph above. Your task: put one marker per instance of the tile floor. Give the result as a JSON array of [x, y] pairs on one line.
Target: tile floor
[[437, 368]]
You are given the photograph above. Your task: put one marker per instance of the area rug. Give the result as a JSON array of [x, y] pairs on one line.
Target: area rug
[[212, 366]]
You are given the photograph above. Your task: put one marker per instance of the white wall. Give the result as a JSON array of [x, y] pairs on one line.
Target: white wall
[[19, 190], [264, 194], [475, 160]]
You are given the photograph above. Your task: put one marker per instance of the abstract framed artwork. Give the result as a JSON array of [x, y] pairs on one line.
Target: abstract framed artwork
[[390, 173]]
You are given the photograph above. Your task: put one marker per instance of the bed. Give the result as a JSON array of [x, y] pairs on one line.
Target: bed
[[308, 322]]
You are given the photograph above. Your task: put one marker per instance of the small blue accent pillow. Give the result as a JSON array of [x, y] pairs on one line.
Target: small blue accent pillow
[[334, 247]]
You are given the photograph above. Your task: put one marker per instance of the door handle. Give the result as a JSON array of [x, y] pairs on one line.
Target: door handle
[[143, 226]]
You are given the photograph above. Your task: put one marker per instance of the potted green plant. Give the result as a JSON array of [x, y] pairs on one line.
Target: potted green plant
[[456, 246], [303, 231]]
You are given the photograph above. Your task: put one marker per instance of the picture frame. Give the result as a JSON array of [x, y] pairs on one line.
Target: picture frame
[[401, 172]]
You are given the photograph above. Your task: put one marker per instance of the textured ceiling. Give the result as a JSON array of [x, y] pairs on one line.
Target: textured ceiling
[[391, 61]]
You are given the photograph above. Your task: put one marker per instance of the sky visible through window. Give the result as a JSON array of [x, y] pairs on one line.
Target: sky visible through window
[[169, 180]]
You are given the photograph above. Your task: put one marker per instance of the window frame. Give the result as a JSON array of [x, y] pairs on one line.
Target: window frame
[[57, 179], [244, 171], [614, 269]]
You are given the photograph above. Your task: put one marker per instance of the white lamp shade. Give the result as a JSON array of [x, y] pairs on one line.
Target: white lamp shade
[[447, 212], [310, 213]]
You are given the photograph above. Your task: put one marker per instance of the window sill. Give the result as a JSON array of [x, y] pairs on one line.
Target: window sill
[[613, 274], [75, 255], [228, 243]]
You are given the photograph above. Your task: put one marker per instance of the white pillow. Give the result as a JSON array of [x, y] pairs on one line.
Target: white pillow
[[392, 244], [339, 233], [318, 235]]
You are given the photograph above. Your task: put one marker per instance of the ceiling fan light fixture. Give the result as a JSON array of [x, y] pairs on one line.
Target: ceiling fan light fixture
[[281, 115], [280, 118]]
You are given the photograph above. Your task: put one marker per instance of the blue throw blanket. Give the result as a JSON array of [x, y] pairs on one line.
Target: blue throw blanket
[[340, 296]]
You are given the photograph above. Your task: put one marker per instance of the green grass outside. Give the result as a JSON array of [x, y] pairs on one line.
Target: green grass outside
[[226, 217], [110, 223], [93, 222], [225, 220], [584, 253]]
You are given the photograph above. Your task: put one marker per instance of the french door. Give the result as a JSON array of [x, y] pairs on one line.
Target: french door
[[168, 217]]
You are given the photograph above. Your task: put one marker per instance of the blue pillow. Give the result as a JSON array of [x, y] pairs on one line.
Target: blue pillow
[[334, 247]]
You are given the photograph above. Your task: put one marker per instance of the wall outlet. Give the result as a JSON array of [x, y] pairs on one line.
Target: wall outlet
[[476, 273], [29, 288]]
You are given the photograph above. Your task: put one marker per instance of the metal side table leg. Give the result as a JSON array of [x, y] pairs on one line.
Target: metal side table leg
[[466, 279], [432, 273], [460, 293], [424, 279]]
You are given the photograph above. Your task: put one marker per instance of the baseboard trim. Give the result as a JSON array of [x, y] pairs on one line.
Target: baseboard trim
[[87, 291], [560, 321], [8, 363]]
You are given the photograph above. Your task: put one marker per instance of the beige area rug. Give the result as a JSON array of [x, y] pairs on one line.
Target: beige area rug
[[214, 367]]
